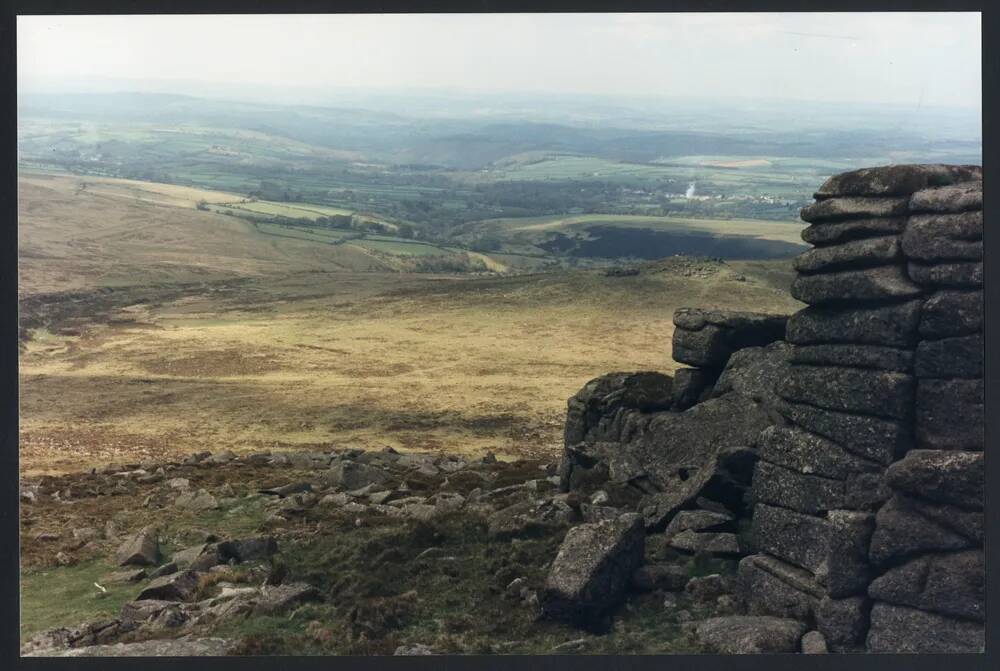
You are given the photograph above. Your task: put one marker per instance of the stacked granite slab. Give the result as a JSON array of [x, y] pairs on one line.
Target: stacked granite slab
[[884, 389], [705, 339]]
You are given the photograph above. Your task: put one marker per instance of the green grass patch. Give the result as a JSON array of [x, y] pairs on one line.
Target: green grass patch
[[66, 596]]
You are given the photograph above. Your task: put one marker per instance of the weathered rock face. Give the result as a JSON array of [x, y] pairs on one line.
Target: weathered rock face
[[707, 338], [658, 461], [861, 432], [592, 570], [741, 635], [594, 412], [909, 630], [874, 541]]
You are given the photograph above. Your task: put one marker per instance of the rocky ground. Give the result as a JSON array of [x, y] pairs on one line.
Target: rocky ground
[[352, 552]]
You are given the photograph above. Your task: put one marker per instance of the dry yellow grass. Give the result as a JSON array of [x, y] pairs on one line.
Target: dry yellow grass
[[299, 357]]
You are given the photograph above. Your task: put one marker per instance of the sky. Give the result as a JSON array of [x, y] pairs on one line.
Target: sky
[[912, 59]]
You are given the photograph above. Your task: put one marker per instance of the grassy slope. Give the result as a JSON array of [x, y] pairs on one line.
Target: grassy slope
[[288, 344]]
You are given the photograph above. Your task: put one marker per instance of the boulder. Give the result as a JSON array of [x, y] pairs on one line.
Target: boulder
[[950, 414], [527, 519], [184, 558], [813, 643], [697, 520], [944, 237], [707, 338], [901, 532], [856, 356], [809, 453], [843, 622], [961, 356], [277, 599], [950, 584], [802, 540], [847, 255], [846, 571], [949, 477], [708, 588], [180, 586], [830, 234], [873, 438], [140, 549], [964, 522], [952, 313], [749, 634], [770, 586], [196, 501], [896, 180], [413, 650], [853, 207], [753, 372], [589, 411], [869, 392], [959, 274], [207, 559], [805, 493], [672, 458], [889, 325], [164, 569], [176, 647], [691, 385], [592, 569], [877, 283], [956, 198], [901, 629], [719, 543], [351, 475]]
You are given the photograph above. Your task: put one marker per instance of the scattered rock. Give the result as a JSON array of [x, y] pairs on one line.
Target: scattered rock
[[179, 647], [708, 588], [165, 569], [350, 475], [196, 501], [141, 549], [288, 490], [813, 643], [742, 634], [414, 649], [592, 569], [180, 586], [279, 598]]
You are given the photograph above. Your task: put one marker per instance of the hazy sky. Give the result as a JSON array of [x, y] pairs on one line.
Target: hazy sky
[[908, 58]]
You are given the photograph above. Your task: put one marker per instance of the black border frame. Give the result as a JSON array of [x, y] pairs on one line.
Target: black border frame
[[9, 505]]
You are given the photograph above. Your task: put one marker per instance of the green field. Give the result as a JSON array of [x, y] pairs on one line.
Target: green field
[[756, 228], [309, 211], [402, 247]]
